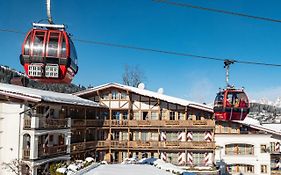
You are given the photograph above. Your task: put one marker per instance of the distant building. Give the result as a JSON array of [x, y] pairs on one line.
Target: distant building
[[247, 147]]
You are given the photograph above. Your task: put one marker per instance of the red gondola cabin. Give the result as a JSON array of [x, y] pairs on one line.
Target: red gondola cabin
[[231, 104], [48, 55]]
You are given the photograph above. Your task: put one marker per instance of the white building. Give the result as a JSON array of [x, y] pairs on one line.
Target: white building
[[35, 127], [246, 147]]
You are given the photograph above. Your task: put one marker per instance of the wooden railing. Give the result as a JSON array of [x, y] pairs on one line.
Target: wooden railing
[[52, 123], [142, 145], [26, 154], [142, 123], [52, 150], [45, 123]]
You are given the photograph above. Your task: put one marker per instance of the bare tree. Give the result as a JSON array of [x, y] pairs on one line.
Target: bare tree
[[132, 76], [17, 167]]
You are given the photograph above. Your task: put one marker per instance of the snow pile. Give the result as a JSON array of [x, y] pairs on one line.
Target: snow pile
[[78, 167], [130, 161]]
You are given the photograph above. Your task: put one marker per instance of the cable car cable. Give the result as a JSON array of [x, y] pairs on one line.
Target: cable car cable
[[186, 5], [159, 51]]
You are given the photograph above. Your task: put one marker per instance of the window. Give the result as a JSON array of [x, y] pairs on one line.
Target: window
[[172, 115], [114, 95], [105, 96], [63, 48], [240, 168], [136, 115], [198, 136], [239, 149], [145, 115], [136, 136], [172, 136], [181, 115], [115, 135], [263, 149], [115, 115], [53, 44], [263, 168], [73, 54], [144, 136], [198, 158], [123, 96], [125, 136], [154, 115], [172, 158], [154, 136], [38, 43], [163, 115], [104, 115], [125, 115], [27, 45], [272, 146]]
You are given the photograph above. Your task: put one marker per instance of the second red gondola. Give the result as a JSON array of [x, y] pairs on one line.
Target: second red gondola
[[231, 104]]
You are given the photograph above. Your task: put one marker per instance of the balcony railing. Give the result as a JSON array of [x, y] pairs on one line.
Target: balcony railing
[[52, 150], [44, 123], [26, 154], [142, 123], [143, 145], [52, 123]]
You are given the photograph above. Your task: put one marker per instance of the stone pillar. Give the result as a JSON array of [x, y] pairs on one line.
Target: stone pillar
[[67, 141], [33, 147], [34, 122]]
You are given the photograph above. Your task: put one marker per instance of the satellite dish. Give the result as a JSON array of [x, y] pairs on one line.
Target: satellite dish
[[160, 91], [141, 86]]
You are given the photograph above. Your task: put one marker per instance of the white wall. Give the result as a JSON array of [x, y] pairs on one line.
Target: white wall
[[256, 160], [9, 137]]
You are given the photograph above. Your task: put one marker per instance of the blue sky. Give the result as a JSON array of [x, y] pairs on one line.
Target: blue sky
[[148, 24]]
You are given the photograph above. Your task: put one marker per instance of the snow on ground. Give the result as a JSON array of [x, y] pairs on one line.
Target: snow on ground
[[127, 169]]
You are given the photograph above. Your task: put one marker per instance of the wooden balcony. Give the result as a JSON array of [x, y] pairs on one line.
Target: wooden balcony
[[78, 122], [144, 123], [26, 154], [52, 150], [149, 145], [49, 123], [78, 147], [44, 123]]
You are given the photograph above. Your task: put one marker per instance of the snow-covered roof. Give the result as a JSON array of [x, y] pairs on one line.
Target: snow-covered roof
[[253, 123], [127, 169], [149, 93], [36, 95]]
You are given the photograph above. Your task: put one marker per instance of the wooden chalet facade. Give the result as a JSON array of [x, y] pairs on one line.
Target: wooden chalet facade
[[140, 123]]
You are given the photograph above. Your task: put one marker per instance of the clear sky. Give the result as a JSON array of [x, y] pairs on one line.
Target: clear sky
[[145, 23]]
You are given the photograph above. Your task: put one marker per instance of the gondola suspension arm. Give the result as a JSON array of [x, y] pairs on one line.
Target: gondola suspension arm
[[227, 64], [48, 4]]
